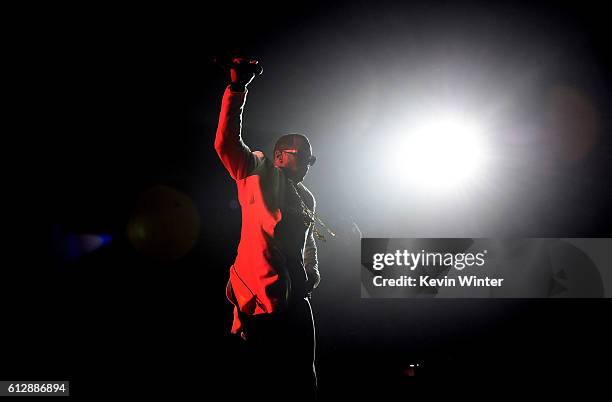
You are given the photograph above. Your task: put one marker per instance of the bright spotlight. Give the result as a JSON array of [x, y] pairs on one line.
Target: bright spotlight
[[439, 154]]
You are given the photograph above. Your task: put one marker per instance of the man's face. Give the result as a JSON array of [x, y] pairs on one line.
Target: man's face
[[295, 160]]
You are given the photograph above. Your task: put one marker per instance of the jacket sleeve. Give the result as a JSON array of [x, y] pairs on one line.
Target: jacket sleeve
[[311, 262], [234, 153]]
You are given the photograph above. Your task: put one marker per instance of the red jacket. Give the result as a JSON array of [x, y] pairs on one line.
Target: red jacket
[[259, 280]]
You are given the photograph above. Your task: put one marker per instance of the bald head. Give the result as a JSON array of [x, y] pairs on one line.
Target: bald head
[[292, 141], [293, 154]]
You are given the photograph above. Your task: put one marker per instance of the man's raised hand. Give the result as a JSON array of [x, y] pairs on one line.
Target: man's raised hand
[[242, 72]]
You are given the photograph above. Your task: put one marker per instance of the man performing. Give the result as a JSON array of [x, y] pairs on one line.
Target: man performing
[[276, 265]]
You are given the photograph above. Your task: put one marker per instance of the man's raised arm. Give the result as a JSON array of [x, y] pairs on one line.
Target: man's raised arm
[[234, 153]]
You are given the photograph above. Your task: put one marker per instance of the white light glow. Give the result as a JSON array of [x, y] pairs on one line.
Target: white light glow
[[441, 153]]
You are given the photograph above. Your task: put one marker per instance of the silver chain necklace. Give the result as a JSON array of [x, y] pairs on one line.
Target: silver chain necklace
[[312, 218]]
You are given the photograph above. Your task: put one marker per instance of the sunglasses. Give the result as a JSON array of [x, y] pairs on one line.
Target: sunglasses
[[302, 158]]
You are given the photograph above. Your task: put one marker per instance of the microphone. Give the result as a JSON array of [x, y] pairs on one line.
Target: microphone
[[248, 65]]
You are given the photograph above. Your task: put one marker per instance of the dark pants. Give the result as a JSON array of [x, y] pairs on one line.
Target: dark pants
[[277, 356]]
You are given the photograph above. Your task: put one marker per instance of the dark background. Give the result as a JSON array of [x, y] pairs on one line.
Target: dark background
[[121, 98]]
